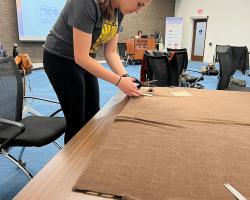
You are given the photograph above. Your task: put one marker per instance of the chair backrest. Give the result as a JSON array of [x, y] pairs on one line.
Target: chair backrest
[[158, 67], [11, 91], [226, 69], [178, 64], [240, 58], [221, 49], [122, 49], [180, 59]]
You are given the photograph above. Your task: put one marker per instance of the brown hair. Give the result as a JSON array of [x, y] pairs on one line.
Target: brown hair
[[106, 9]]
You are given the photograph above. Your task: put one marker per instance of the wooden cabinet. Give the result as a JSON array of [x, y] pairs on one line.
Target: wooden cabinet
[[137, 46]]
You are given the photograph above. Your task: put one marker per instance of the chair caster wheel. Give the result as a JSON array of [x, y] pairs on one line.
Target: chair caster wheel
[[21, 162]]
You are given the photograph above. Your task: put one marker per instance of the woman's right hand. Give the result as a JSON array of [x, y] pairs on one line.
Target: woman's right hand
[[127, 85]]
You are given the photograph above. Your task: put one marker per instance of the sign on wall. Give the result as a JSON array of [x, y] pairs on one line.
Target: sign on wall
[[173, 32]]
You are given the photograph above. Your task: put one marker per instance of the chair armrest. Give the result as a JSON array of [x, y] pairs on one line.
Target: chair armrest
[[41, 99], [17, 124]]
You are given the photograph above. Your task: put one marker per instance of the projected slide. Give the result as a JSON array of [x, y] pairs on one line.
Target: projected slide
[[36, 18]]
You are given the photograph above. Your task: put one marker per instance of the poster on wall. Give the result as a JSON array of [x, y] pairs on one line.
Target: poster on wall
[[173, 32]]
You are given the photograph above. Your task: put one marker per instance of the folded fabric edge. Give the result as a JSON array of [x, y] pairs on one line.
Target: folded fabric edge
[[145, 121], [105, 195]]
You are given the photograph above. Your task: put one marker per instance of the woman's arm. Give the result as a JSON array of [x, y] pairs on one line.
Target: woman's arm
[[112, 57], [82, 44]]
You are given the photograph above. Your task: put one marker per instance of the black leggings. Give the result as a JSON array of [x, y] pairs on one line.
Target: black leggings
[[76, 89]]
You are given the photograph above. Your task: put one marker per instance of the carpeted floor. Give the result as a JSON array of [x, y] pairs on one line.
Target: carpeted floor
[[12, 180]]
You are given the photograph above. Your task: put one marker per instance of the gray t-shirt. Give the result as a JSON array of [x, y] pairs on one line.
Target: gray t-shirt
[[86, 16]]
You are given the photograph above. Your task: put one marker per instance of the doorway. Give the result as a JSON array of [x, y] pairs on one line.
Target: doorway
[[199, 38]]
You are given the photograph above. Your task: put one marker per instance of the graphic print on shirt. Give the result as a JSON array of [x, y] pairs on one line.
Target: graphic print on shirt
[[109, 29]]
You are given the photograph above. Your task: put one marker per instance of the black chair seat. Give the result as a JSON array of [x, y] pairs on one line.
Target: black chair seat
[[38, 131]]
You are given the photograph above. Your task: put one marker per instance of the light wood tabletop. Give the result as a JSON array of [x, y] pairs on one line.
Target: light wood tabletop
[[57, 178]]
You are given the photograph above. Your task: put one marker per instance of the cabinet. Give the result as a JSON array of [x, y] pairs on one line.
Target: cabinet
[[137, 46]]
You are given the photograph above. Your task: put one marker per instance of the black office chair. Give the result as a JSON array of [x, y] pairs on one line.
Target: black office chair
[[15, 131], [227, 69], [178, 65], [158, 68], [122, 50]]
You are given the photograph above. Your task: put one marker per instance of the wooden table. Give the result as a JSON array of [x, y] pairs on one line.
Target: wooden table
[[56, 179]]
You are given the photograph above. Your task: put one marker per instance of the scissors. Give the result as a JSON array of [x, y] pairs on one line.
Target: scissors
[[140, 84], [236, 194]]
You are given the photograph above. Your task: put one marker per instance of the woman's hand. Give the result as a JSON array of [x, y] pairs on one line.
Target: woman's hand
[[127, 85]]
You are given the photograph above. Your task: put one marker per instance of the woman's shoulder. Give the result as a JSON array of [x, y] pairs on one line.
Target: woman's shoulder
[[85, 2], [85, 5]]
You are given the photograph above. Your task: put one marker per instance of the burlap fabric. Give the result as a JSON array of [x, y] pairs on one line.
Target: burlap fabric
[[168, 147]]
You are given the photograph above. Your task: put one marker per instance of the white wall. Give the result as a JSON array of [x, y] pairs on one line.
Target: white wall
[[228, 23]]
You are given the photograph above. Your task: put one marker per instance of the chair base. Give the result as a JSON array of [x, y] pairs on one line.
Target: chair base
[[23, 148], [237, 82], [19, 164], [22, 162], [191, 82], [193, 85], [20, 157]]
